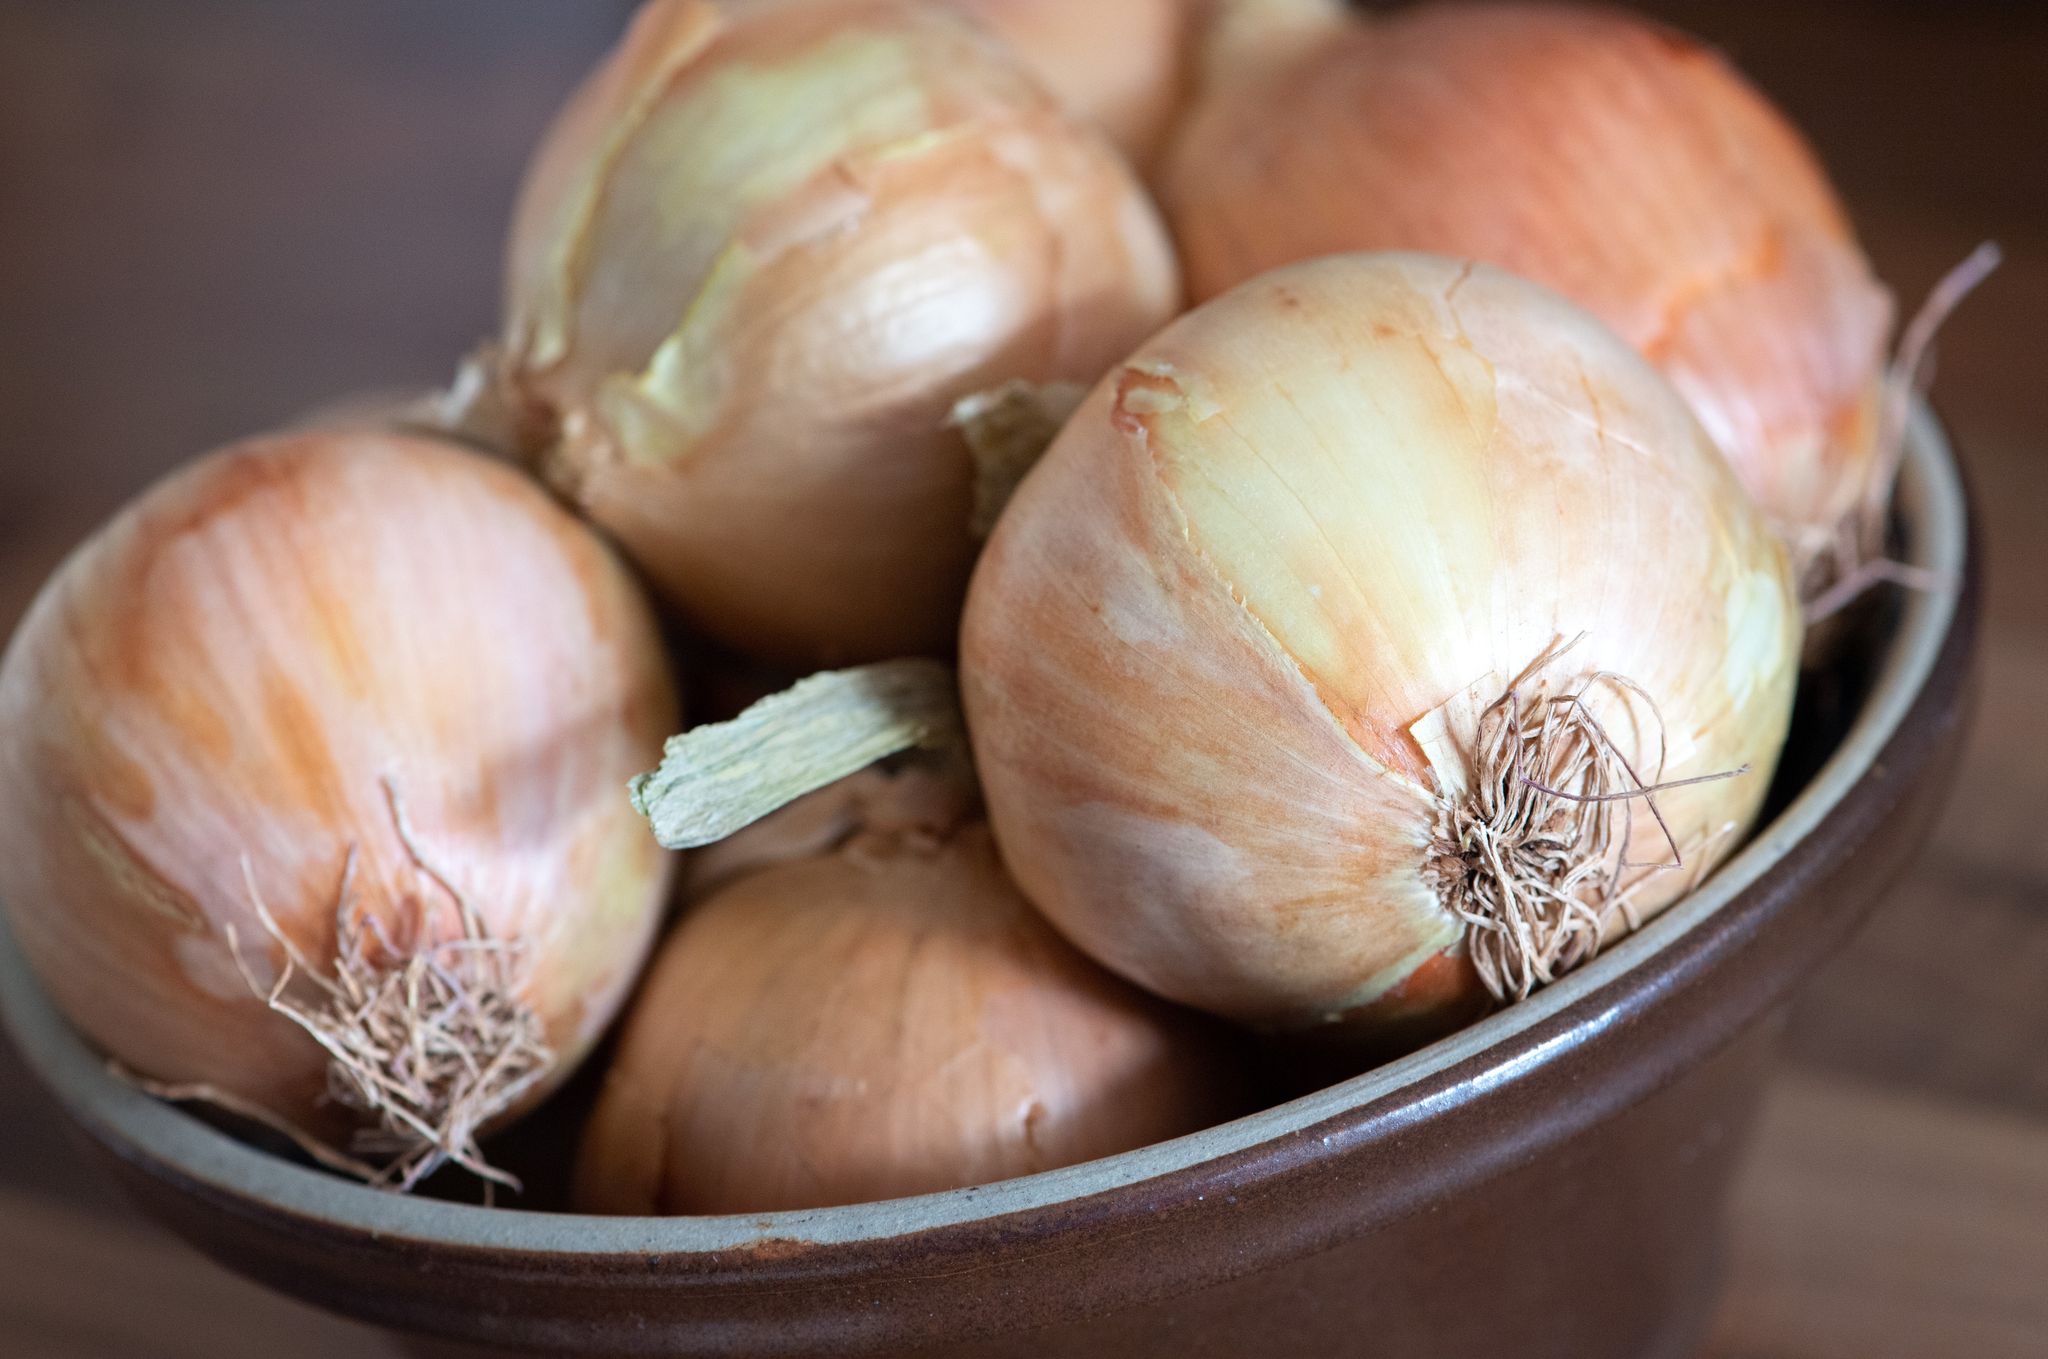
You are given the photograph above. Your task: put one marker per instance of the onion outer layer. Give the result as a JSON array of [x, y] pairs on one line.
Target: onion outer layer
[[255, 685], [1122, 65], [1217, 643], [885, 1018], [1617, 161], [758, 259]]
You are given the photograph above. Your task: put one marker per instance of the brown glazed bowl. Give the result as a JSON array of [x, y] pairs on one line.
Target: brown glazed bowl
[[1546, 1182]]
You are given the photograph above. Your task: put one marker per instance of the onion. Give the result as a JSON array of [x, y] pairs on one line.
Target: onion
[[1120, 65], [880, 1018], [1602, 155], [760, 257], [1296, 668], [326, 717]]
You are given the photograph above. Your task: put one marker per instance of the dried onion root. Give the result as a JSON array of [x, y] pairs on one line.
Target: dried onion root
[[428, 1038], [1532, 855], [1240, 663], [1853, 559], [205, 725]]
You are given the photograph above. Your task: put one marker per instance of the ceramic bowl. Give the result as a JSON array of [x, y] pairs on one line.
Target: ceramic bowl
[[1545, 1182]]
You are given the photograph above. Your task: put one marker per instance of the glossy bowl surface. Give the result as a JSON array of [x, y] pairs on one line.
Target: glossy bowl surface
[[1553, 1173]]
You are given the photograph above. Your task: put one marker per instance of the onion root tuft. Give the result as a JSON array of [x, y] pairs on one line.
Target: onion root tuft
[[429, 1040], [1532, 855]]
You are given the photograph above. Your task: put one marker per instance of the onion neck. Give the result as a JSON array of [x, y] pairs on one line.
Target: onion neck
[[487, 408], [918, 808]]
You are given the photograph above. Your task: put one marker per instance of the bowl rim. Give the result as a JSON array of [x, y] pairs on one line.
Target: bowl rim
[[142, 1129]]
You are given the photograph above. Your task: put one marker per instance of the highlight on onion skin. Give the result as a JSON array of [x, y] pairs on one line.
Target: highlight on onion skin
[[1229, 655], [351, 680], [1120, 65], [1612, 159], [875, 1019], [758, 259]]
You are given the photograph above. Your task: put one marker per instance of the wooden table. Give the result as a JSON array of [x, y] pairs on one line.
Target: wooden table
[[219, 213]]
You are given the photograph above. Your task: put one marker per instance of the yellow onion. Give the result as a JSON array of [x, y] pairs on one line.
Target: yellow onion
[[1270, 662], [760, 257], [1607, 157], [875, 1015], [324, 741], [1121, 65]]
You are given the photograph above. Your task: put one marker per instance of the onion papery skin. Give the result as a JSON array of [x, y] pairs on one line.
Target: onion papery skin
[[886, 1019], [758, 259], [1614, 160], [1123, 66], [1303, 518], [212, 693]]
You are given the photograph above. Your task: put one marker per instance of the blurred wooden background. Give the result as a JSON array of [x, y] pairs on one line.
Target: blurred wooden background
[[217, 213]]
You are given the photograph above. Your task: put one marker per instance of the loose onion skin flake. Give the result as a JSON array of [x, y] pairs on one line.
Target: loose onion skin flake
[[1607, 157], [877, 1017], [1293, 670], [328, 735], [760, 257]]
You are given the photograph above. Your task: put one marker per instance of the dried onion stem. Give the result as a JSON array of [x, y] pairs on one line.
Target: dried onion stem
[[721, 778]]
